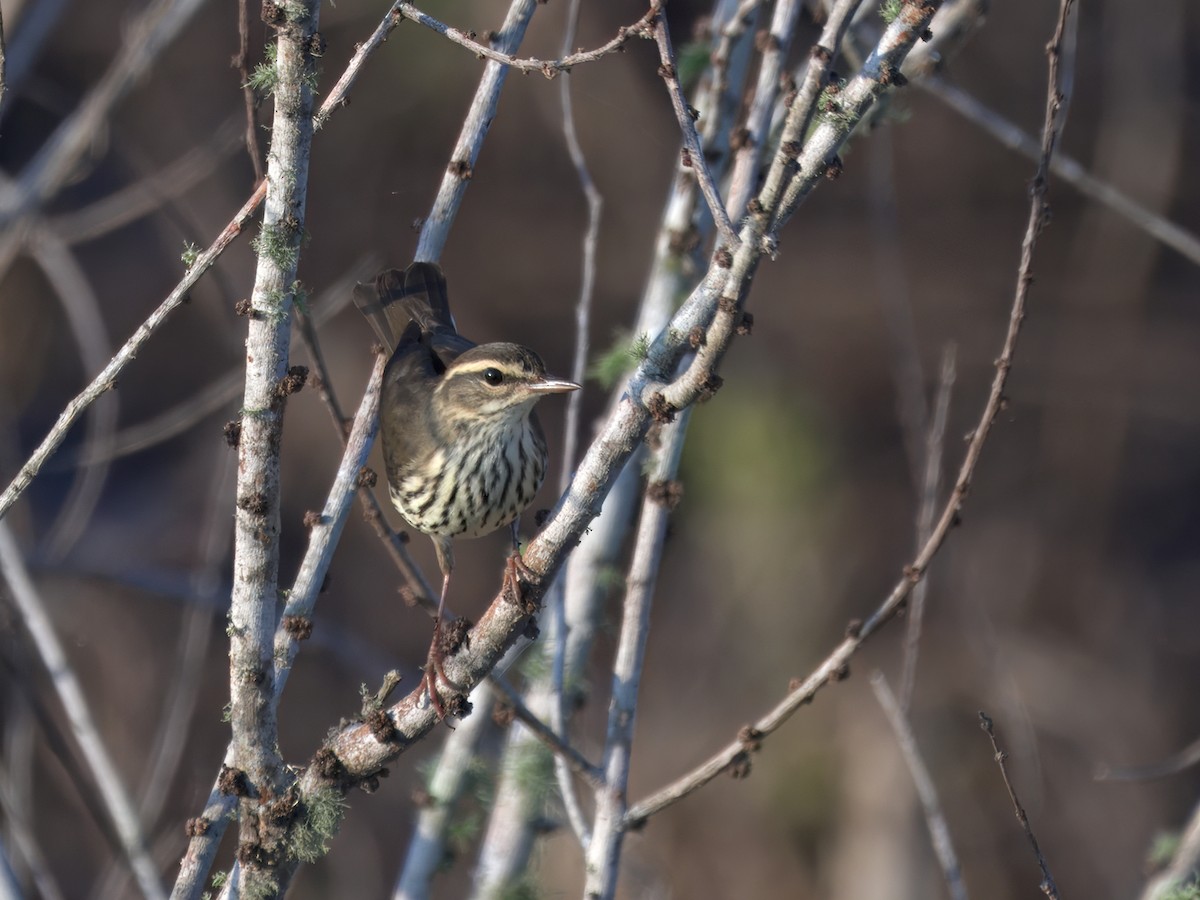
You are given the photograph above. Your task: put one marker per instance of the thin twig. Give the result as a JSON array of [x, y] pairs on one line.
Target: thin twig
[[755, 131], [895, 304], [935, 820], [548, 67], [82, 307], [117, 801], [796, 127], [221, 391], [695, 159], [931, 482], [241, 61], [1048, 887], [578, 763], [836, 664]]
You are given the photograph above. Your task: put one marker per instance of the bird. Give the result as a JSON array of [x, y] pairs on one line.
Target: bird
[[462, 446]]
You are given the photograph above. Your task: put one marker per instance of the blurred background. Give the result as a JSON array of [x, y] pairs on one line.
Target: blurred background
[[1065, 605]]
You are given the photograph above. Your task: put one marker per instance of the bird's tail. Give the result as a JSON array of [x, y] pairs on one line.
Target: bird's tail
[[418, 294]]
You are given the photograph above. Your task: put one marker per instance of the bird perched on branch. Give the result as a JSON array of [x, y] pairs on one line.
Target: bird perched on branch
[[463, 449]]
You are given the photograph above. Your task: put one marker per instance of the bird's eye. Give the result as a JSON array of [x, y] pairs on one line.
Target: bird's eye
[[493, 376]]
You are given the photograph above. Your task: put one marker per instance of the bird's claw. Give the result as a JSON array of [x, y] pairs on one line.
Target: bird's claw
[[515, 572]]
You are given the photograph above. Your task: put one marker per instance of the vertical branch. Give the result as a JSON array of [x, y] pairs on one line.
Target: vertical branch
[[932, 479], [255, 595]]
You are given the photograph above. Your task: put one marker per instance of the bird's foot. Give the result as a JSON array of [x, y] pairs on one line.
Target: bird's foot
[[446, 640], [516, 576]]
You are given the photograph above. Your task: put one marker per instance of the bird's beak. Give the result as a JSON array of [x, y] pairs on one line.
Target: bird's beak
[[552, 386]]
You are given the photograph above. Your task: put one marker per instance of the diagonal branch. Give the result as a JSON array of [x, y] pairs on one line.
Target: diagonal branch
[[685, 115]]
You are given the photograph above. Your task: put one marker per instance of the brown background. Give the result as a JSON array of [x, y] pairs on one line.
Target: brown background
[[1065, 605]]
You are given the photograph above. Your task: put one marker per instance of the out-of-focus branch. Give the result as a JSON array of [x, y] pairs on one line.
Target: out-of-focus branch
[[548, 67], [931, 482], [146, 38], [3, 63], [263, 780], [82, 307], [662, 494], [149, 193], [1183, 866], [116, 798], [426, 850], [1067, 168], [935, 820]]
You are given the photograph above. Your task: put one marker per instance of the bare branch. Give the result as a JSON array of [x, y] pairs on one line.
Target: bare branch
[[548, 67], [578, 763], [931, 482], [464, 156], [117, 801], [253, 601], [1048, 887], [695, 158], [604, 851], [1179, 239], [935, 820]]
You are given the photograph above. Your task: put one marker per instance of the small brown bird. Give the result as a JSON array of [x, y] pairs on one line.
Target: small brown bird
[[464, 452]]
